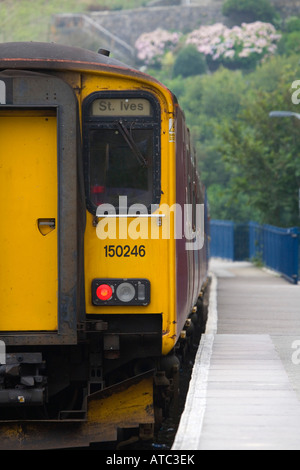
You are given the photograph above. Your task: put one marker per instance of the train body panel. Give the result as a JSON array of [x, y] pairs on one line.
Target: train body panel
[[103, 245], [191, 248]]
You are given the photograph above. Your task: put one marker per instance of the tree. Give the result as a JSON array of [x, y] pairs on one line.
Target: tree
[[291, 43], [249, 10], [189, 62], [262, 153]]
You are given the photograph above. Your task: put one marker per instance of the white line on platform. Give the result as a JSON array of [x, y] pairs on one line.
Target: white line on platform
[[190, 426], [212, 318]]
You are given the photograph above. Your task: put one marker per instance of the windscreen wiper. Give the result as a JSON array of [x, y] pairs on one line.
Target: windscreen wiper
[[124, 131]]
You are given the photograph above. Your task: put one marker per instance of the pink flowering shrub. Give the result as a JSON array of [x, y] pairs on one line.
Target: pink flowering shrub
[[151, 47], [240, 46]]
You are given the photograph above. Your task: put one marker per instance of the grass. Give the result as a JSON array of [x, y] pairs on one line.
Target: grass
[[30, 20]]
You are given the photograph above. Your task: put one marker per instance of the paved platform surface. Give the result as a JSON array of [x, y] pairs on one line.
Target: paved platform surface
[[245, 388]]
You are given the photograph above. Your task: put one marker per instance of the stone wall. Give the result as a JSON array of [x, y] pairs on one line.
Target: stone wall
[[108, 29], [130, 24], [118, 30]]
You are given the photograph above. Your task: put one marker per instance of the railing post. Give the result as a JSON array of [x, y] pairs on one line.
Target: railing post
[[295, 250]]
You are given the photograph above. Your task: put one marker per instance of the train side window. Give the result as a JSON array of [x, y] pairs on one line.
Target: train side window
[[122, 149]]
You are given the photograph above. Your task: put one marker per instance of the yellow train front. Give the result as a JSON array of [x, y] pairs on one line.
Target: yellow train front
[[103, 249]]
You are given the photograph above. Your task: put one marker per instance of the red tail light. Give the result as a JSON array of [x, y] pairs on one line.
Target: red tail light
[[104, 292]]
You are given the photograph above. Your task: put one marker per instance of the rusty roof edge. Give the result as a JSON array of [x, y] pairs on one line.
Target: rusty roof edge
[[54, 56]]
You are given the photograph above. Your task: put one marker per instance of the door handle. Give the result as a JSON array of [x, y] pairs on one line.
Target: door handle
[[46, 226]]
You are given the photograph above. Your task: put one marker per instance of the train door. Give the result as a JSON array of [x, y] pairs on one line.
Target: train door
[[38, 209], [28, 206]]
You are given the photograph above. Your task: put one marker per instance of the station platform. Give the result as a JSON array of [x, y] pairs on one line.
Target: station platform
[[244, 392]]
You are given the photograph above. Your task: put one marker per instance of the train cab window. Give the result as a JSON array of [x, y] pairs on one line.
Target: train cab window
[[122, 149]]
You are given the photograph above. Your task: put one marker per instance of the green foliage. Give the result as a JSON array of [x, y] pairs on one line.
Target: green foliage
[[290, 43], [209, 101], [189, 62], [263, 153], [290, 40], [249, 162], [292, 24], [223, 94], [249, 10], [227, 206]]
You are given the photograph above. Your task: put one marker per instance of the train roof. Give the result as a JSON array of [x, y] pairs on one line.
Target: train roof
[[52, 55]]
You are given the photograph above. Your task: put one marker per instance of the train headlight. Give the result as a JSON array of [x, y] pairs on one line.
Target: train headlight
[[125, 292], [120, 292]]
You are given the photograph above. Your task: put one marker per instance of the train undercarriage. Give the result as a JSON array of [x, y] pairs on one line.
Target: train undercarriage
[[73, 396]]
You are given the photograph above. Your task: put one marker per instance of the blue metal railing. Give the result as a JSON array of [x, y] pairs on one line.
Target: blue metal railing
[[276, 247], [222, 239]]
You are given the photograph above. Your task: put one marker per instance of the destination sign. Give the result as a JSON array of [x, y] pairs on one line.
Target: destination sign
[[121, 107]]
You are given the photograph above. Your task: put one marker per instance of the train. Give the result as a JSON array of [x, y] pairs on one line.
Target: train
[[104, 247]]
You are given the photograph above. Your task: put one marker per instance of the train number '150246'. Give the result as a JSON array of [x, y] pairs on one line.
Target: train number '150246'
[[124, 251]]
